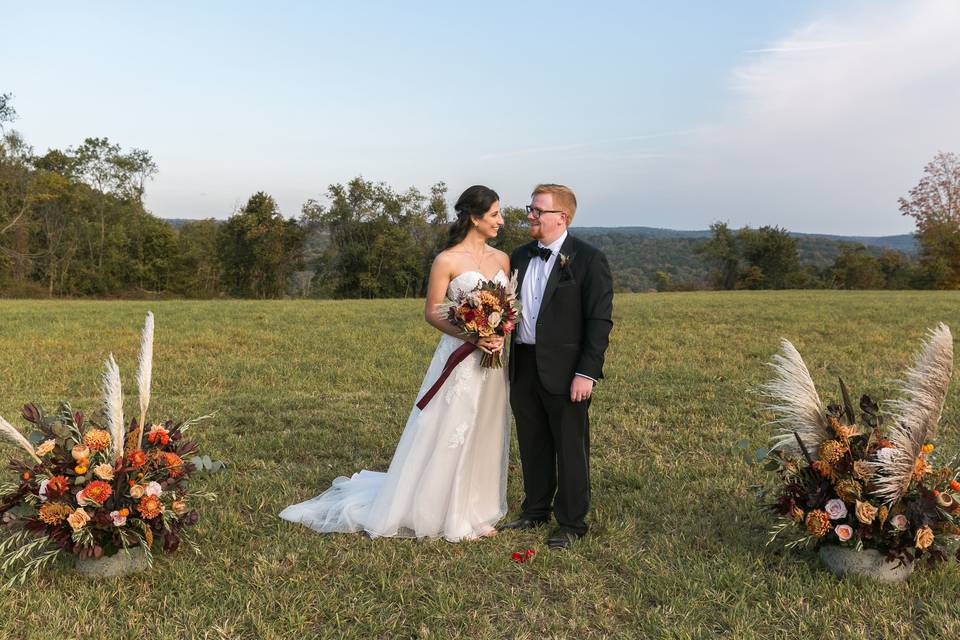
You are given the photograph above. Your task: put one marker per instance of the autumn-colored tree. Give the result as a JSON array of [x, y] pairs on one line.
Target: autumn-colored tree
[[935, 206]]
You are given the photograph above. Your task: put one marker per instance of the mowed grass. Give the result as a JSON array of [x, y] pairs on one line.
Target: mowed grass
[[307, 391]]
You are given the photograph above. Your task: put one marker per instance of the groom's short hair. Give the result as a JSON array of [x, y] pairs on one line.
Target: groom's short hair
[[563, 198]]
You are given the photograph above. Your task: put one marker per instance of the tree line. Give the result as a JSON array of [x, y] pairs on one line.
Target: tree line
[[73, 223]]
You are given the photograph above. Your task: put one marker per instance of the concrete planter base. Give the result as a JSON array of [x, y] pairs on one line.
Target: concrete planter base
[[120, 564], [843, 561]]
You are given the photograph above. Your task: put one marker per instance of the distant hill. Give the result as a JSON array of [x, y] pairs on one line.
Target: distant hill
[[637, 253], [906, 243]]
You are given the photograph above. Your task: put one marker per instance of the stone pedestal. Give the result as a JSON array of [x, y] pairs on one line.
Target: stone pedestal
[[122, 563], [844, 561]]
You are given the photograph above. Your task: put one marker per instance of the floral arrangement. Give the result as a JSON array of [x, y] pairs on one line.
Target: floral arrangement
[[91, 490], [489, 309], [869, 478]]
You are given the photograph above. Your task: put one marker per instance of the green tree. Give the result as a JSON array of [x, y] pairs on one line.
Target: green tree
[[771, 256], [197, 271], [723, 255], [259, 249], [855, 268]]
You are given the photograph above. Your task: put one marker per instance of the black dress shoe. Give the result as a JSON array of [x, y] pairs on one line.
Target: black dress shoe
[[523, 523], [562, 538]]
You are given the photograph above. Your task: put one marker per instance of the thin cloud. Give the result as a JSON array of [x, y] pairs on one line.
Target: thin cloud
[[806, 47], [827, 142]]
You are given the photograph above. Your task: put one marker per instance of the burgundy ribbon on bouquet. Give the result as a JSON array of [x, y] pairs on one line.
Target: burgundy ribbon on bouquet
[[455, 358]]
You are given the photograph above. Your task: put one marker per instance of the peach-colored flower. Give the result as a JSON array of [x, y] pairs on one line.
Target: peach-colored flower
[[924, 538], [899, 522], [844, 532], [78, 519], [136, 491], [866, 512], [818, 523], [180, 507], [80, 452]]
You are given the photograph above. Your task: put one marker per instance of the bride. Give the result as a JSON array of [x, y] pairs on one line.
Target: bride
[[448, 476]]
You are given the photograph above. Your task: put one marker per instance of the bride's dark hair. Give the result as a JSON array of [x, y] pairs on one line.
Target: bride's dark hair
[[472, 203]]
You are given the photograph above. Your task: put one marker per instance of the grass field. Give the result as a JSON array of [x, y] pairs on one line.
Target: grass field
[[307, 391]]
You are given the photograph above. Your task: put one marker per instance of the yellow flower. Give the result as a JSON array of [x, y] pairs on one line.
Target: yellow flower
[[924, 538], [796, 514], [54, 512], [831, 451], [46, 447], [78, 519], [848, 490], [882, 514], [920, 468], [818, 523], [927, 448], [866, 512], [97, 439], [104, 471]]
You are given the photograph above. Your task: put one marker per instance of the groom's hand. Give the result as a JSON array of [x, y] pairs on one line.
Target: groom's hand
[[580, 389]]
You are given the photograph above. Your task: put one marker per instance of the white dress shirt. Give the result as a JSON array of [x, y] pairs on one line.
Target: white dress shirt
[[532, 288]]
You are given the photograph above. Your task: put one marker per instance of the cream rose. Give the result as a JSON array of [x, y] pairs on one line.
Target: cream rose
[[136, 491], [46, 447], [80, 452], [104, 471]]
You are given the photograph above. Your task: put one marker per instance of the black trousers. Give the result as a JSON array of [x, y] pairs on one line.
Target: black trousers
[[554, 438]]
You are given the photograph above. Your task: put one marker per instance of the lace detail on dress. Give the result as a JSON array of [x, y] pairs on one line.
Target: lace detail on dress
[[459, 436], [462, 377]]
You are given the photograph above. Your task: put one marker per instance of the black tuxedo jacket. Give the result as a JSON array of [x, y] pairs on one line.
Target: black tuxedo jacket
[[574, 324]]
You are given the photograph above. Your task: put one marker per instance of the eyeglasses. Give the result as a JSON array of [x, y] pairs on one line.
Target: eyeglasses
[[537, 211]]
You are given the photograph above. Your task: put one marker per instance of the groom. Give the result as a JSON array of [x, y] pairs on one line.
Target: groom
[[556, 358]]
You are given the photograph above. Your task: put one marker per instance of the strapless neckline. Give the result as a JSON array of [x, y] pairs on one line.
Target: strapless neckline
[[494, 277]]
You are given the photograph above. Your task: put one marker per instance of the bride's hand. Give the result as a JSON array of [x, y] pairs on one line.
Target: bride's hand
[[490, 344]]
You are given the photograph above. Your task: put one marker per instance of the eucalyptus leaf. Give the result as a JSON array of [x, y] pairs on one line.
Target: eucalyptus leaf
[[772, 465], [761, 453], [36, 437], [743, 444]]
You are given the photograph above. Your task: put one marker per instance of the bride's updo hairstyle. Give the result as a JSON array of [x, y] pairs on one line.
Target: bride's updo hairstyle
[[473, 203]]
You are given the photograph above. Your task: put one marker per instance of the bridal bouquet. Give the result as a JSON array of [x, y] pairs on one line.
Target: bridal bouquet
[[91, 490], [870, 478], [489, 309]]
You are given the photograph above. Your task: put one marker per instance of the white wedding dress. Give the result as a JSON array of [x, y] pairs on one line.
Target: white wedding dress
[[448, 476]]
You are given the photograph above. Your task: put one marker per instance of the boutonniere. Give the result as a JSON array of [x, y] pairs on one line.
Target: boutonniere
[[565, 273]]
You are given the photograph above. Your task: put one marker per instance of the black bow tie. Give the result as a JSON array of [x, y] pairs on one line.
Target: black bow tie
[[542, 252]]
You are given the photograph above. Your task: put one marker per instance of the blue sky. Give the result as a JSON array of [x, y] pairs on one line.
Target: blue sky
[[815, 115]]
